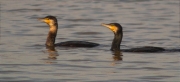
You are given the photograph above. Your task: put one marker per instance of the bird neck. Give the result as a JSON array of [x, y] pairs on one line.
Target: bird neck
[[52, 35], [116, 41]]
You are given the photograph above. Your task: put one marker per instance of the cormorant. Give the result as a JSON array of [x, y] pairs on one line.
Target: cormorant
[[53, 28], [116, 28]]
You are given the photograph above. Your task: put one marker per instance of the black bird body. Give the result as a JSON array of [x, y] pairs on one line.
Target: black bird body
[[77, 44], [53, 28], [144, 49]]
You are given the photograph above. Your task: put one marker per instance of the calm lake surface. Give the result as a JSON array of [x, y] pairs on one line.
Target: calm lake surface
[[24, 58]]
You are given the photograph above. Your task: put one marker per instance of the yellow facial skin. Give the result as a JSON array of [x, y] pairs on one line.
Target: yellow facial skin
[[47, 20], [111, 27]]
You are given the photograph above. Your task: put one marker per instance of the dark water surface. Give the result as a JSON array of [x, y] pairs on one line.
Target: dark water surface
[[23, 57]]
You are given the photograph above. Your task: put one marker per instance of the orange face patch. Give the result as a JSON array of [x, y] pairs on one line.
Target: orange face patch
[[46, 20], [111, 27]]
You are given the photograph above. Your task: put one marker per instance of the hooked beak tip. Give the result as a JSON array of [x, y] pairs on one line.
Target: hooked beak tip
[[40, 19], [103, 24]]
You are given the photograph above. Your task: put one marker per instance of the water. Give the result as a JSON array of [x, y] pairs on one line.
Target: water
[[23, 57]]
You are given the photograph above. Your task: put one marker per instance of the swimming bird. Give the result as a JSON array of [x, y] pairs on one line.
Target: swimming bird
[[117, 29], [53, 28]]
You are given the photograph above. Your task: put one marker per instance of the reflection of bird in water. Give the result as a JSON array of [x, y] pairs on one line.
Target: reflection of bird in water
[[52, 53], [118, 34], [117, 55], [53, 27]]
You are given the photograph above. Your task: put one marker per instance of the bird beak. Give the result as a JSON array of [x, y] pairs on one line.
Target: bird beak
[[112, 28], [41, 19], [44, 20], [106, 25]]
